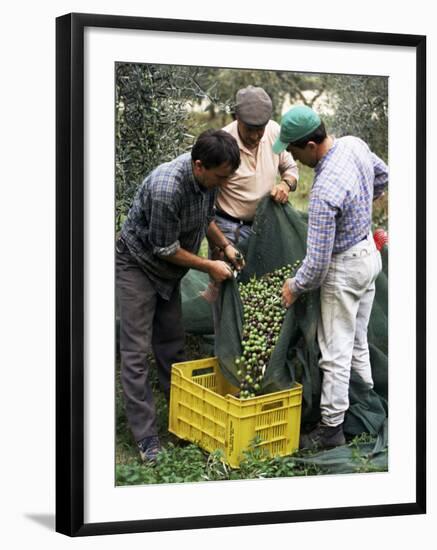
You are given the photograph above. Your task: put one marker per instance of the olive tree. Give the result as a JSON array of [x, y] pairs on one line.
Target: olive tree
[[151, 122], [222, 85], [360, 107]]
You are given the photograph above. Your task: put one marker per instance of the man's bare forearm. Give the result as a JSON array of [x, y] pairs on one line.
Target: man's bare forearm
[[215, 236], [216, 269], [187, 259]]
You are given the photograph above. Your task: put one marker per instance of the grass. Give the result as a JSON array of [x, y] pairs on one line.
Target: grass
[[180, 464], [181, 461]]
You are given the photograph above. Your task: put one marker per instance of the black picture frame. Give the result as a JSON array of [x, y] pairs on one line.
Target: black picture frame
[[70, 240]]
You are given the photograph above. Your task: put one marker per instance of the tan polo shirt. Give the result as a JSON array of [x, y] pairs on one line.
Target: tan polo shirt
[[256, 175]]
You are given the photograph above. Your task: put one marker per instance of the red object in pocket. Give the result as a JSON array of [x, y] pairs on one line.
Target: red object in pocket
[[380, 237]]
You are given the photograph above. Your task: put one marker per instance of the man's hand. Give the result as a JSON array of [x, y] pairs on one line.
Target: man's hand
[[288, 297], [219, 271], [217, 254], [280, 193], [234, 256]]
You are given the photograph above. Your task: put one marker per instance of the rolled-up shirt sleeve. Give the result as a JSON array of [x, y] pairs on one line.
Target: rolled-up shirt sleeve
[[164, 228], [287, 167], [320, 242]]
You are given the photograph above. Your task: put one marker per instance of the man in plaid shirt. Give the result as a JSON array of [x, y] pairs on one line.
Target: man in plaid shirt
[[171, 214], [341, 259]]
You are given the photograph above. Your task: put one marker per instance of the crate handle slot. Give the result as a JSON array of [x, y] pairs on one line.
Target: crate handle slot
[[202, 371], [272, 405]]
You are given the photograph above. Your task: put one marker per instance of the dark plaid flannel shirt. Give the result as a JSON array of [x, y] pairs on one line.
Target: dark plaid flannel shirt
[[170, 211]]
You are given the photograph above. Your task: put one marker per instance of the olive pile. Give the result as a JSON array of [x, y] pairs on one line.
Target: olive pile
[[263, 314]]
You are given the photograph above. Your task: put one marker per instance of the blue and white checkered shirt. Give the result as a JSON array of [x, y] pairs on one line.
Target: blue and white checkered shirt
[[170, 211], [347, 180]]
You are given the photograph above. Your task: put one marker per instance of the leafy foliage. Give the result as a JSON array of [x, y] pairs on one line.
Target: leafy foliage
[[161, 109], [178, 463], [151, 116], [360, 107], [350, 104], [282, 86], [158, 115], [185, 462]]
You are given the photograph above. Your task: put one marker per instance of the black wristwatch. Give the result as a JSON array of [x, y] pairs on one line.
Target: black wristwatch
[[290, 186]]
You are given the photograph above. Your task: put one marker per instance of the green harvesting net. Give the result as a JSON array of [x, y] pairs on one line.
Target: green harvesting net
[[279, 239]]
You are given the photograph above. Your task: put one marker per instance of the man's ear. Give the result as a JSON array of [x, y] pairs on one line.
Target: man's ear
[[197, 166], [312, 145]]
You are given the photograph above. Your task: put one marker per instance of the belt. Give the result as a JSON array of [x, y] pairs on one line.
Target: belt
[[226, 216], [359, 241]]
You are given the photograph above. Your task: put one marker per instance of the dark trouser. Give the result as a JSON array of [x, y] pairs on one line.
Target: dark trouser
[[148, 324]]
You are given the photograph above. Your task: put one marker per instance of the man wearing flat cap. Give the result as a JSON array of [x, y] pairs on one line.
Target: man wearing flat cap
[[341, 258], [256, 176], [259, 169]]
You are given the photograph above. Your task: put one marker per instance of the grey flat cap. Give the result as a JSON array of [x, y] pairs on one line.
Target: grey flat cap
[[253, 106]]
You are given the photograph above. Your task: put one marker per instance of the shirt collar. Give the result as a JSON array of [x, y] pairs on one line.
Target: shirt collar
[[192, 182], [234, 132], [319, 166]]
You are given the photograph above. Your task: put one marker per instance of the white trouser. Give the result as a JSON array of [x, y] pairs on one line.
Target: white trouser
[[346, 301]]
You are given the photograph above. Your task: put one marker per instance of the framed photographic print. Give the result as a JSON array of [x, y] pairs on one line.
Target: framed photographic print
[[135, 98]]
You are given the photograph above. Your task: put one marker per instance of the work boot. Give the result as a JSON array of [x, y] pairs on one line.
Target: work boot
[[323, 437], [149, 448]]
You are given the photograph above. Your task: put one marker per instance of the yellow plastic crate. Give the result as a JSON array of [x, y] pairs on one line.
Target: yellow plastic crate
[[205, 411]]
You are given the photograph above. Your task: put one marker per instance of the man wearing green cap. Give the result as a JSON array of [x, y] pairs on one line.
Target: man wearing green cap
[[341, 259]]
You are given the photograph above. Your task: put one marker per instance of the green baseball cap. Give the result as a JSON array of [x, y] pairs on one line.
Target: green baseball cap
[[297, 123]]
